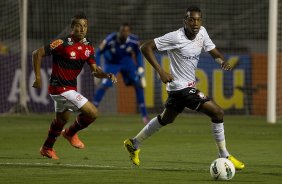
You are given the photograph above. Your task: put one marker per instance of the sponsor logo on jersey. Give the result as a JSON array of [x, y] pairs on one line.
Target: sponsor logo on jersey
[[56, 43], [191, 84], [79, 48], [199, 44], [196, 57], [129, 49], [73, 55]]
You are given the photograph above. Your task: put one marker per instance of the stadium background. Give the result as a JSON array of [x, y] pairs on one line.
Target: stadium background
[[238, 28]]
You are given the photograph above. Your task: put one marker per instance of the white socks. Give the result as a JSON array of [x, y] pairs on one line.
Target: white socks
[[152, 127], [218, 132]]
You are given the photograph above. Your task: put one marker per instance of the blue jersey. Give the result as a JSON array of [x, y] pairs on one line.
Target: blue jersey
[[116, 52]]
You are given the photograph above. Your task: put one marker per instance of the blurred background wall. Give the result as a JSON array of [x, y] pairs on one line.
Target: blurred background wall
[[238, 28]]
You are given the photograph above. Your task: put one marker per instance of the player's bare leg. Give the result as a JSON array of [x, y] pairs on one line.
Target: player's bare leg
[[88, 114], [216, 114]]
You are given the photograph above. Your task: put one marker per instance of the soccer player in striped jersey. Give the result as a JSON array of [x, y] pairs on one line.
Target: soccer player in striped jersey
[[69, 56], [183, 47], [121, 54]]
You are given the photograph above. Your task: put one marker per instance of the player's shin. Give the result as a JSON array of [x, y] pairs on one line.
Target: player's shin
[[218, 132], [152, 127], [82, 121], [54, 131]]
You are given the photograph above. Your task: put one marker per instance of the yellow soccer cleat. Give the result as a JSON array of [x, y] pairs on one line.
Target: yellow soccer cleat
[[237, 164], [134, 153]]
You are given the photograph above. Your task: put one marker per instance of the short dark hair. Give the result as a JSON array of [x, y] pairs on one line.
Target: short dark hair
[[192, 9], [78, 15], [126, 24]]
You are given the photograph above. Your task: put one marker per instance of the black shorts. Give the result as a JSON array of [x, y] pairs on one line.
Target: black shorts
[[187, 97]]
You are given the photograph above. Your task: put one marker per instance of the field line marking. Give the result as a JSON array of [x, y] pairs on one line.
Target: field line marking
[[59, 164], [91, 166]]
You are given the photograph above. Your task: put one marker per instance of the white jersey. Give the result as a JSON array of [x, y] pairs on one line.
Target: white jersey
[[183, 55]]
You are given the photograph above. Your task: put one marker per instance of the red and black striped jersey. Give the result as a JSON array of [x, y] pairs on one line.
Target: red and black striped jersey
[[68, 60]]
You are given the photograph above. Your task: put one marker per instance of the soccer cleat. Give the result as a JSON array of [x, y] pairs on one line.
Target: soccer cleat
[[48, 152], [237, 164], [73, 140], [134, 153]]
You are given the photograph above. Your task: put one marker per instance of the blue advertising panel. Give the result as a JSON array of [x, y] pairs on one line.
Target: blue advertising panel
[[38, 100]]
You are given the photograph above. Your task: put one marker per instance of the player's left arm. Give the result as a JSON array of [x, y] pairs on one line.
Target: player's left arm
[[219, 58], [99, 73]]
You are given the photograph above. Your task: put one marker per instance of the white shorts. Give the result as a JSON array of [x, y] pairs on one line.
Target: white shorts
[[70, 100]]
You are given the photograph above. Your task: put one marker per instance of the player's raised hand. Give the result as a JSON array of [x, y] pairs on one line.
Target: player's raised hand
[[37, 83], [166, 77]]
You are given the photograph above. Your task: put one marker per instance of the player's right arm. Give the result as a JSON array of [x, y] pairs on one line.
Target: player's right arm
[[36, 63], [147, 49], [219, 58], [37, 56], [99, 73]]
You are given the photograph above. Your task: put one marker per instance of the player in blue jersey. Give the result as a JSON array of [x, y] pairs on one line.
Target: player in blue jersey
[[121, 54]]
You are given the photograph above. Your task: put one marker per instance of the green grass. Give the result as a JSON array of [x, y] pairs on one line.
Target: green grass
[[179, 153]]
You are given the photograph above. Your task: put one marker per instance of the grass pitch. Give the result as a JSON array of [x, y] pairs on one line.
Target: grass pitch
[[179, 153]]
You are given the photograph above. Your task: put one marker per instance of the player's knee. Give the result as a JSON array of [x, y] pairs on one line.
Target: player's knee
[[93, 114], [61, 120], [86, 119], [164, 121], [218, 115]]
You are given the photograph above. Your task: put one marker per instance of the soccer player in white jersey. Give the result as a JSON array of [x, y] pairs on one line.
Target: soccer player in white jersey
[[183, 47]]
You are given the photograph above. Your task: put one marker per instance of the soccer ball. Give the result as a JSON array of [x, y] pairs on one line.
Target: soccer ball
[[222, 169]]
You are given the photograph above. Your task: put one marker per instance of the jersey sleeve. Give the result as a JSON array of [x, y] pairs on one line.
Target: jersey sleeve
[[100, 52], [208, 44], [91, 59], [107, 40], [167, 41], [53, 46]]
